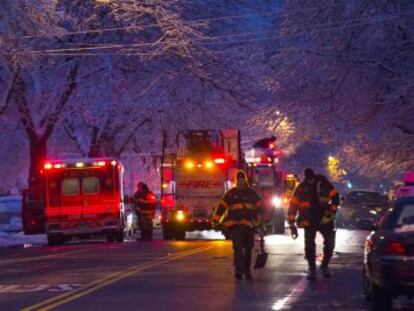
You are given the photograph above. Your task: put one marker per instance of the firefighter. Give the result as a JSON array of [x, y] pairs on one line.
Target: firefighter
[[316, 201], [145, 201], [239, 211], [265, 143]]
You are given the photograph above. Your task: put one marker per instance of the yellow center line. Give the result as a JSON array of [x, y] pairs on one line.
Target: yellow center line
[[111, 278]]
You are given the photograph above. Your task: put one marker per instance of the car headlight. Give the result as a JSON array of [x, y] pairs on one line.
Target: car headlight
[[276, 201], [373, 212]]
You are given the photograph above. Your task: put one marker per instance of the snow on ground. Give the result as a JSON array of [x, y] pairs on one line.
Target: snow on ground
[[11, 224], [19, 238], [10, 213]]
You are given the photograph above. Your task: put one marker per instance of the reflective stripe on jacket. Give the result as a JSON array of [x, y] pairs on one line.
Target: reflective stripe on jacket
[[301, 200], [238, 206]]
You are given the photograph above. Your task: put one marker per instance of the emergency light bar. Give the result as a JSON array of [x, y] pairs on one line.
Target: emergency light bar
[[48, 165], [219, 160]]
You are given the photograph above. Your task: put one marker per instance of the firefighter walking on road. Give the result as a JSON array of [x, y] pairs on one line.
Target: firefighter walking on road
[[315, 201], [239, 211]]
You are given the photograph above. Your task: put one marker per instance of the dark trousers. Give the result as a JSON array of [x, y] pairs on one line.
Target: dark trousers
[[243, 243], [328, 232]]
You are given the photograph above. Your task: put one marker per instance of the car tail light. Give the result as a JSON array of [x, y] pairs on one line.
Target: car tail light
[[219, 160], [395, 248]]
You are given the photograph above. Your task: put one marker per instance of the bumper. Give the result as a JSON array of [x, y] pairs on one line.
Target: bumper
[[83, 228], [396, 274], [189, 225]]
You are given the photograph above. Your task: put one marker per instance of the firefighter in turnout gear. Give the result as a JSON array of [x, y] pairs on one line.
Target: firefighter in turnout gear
[[313, 206], [239, 211], [145, 201]]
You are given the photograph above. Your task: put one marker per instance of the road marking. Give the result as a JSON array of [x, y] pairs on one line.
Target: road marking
[[37, 258], [293, 295], [111, 278], [19, 288]]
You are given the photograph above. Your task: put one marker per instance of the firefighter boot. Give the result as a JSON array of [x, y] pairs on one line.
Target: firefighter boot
[[311, 272], [238, 276], [325, 271], [324, 265]]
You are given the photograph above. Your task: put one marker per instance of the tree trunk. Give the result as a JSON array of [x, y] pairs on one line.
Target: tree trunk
[[38, 152]]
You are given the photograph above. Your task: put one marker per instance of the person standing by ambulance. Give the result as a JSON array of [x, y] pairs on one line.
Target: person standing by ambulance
[[239, 211], [315, 201], [145, 201]]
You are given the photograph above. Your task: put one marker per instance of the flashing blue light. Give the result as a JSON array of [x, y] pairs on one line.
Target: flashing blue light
[[349, 185]]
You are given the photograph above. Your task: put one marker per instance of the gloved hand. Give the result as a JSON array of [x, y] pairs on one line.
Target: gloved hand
[[327, 218], [294, 232]]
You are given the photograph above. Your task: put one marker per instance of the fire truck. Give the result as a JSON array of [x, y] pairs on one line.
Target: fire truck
[[272, 184], [82, 198], [194, 177], [265, 179]]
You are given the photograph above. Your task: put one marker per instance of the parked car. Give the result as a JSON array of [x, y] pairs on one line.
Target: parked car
[[389, 257], [361, 209]]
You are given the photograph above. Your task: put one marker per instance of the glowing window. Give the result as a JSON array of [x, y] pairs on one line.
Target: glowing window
[[70, 186], [90, 185]]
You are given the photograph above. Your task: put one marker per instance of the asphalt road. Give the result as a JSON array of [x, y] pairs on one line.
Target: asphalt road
[[195, 274]]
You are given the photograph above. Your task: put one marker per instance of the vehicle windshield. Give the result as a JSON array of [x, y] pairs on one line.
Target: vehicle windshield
[[364, 197], [263, 176]]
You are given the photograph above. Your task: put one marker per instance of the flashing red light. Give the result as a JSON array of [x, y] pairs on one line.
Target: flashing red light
[[57, 165], [395, 248], [48, 166], [151, 198], [219, 161], [101, 163], [265, 159], [33, 222], [271, 146]]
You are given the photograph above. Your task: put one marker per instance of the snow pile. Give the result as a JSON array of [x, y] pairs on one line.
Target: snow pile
[[10, 214], [10, 239]]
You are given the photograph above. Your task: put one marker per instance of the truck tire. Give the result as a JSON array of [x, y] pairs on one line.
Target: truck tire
[[279, 222], [179, 234], [55, 240], [119, 236], [110, 238], [146, 234], [167, 233]]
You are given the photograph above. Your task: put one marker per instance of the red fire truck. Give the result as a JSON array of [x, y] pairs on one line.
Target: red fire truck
[[82, 198], [272, 184], [194, 177]]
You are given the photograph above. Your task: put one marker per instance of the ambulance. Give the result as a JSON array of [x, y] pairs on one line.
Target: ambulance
[[82, 198]]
